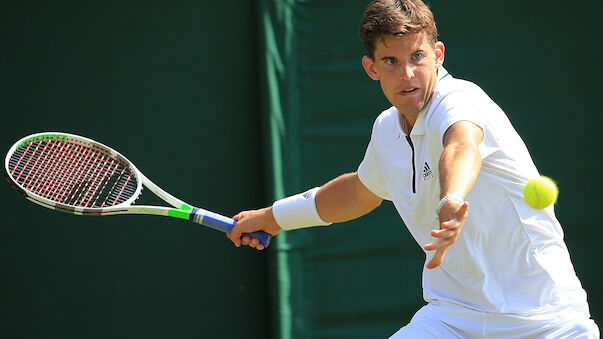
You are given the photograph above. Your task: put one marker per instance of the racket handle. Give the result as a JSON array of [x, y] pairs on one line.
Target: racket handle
[[225, 224]]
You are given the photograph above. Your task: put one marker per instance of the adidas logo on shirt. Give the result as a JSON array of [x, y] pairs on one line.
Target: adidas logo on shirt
[[427, 172]]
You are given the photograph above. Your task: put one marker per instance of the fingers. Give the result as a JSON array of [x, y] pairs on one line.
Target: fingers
[[437, 259], [252, 242], [462, 212], [246, 240], [237, 235], [446, 236], [440, 246], [457, 216], [443, 233], [236, 241]]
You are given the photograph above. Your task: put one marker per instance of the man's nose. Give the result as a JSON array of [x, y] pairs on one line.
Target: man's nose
[[407, 72]]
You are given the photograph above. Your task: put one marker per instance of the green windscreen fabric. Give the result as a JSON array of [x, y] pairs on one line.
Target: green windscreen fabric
[[172, 87], [361, 279], [342, 281]]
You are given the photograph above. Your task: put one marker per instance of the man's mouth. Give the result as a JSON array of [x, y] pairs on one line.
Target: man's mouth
[[409, 90]]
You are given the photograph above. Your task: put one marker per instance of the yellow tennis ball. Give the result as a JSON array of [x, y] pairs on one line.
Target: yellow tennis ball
[[540, 192]]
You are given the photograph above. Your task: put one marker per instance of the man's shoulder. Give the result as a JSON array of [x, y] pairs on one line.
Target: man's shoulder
[[457, 93], [387, 117], [385, 124], [453, 87]]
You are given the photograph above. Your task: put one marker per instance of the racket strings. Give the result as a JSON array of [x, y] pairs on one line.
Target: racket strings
[[72, 173]]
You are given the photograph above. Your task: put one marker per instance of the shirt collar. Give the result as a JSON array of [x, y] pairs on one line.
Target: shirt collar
[[443, 73], [419, 126]]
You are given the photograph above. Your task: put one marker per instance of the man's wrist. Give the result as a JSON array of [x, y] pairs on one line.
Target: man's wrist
[[298, 211], [447, 198]]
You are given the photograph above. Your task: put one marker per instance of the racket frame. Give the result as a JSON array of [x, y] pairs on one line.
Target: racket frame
[[179, 209]]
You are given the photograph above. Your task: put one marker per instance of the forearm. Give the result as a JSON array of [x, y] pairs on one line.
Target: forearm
[[459, 166], [345, 198], [341, 199]]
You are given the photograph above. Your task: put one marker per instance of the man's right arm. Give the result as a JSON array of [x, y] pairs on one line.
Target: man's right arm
[[341, 199], [345, 198]]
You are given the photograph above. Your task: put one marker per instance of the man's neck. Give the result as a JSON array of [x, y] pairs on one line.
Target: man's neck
[[407, 121]]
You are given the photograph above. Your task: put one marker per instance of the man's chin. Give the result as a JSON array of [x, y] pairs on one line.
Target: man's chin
[[406, 110]]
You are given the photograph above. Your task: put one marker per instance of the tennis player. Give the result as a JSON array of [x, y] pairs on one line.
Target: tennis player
[[451, 162]]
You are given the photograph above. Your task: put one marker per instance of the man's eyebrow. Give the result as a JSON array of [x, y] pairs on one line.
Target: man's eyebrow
[[418, 50]]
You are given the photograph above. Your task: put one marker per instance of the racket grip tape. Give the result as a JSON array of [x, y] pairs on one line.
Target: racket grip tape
[[225, 224]]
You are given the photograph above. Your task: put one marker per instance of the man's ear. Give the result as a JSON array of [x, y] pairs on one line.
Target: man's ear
[[439, 53], [369, 67]]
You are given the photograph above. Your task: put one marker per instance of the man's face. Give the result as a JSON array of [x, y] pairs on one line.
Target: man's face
[[406, 66]]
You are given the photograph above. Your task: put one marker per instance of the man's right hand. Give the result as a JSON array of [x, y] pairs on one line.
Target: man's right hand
[[452, 217], [252, 221]]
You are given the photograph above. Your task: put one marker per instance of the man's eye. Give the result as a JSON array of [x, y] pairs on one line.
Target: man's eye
[[390, 61]]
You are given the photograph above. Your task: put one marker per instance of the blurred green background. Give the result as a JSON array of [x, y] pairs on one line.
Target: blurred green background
[[272, 92]]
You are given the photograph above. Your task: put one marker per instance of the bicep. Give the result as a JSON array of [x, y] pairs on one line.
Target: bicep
[[460, 161], [463, 133], [365, 197], [345, 198]]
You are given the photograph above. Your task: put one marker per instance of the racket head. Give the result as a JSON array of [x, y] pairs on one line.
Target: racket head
[[71, 173]]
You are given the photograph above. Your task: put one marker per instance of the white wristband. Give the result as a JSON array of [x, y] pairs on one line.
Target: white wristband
[[297, 211], [445, 200]]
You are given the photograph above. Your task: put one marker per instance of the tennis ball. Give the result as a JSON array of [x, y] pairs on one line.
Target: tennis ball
[[540, 192]]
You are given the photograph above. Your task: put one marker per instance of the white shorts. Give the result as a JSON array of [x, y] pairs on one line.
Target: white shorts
[[444, 321]]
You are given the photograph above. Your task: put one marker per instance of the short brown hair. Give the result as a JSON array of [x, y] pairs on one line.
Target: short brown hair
[[384, 18]]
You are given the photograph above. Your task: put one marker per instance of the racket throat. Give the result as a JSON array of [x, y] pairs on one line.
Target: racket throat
[[212, 220], [193, 216]]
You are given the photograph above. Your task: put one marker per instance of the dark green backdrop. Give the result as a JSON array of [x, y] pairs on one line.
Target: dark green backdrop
[[273, 92], [166, 84], [361, 279]]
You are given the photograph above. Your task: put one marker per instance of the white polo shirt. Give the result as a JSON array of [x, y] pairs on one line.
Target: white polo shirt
[[509, 257]]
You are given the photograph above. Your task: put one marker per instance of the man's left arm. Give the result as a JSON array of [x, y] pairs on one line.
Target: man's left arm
[[459, 166]]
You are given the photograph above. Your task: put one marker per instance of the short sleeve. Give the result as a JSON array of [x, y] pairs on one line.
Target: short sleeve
[[464, 106], [369, 172]]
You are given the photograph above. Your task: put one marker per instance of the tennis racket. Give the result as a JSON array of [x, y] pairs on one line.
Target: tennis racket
[[77, 175]]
